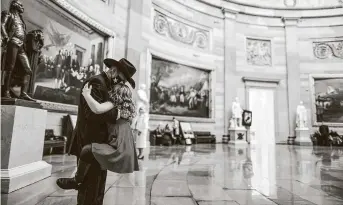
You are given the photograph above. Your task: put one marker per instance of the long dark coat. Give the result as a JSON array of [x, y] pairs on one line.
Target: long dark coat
[[92, 128]]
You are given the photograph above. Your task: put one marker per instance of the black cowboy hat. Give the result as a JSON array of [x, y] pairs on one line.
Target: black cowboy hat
[[125, 67]]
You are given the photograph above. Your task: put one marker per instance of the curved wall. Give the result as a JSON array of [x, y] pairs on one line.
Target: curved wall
[[290, 36], [282, 4]]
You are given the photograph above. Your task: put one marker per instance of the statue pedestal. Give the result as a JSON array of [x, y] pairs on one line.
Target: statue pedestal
[[22, 138], [302, 137], [238, 136], [251, 137]]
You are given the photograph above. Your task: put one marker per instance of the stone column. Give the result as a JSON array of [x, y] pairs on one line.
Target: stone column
[[293, 71], [230, 85], [110, 52], [139, 12]]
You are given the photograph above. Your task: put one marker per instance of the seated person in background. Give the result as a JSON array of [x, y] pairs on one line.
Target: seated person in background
[[324, 135], [158, 130]]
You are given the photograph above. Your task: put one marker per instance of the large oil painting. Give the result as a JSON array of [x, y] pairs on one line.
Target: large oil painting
[[179, 90], [328, 94], [69, 58]]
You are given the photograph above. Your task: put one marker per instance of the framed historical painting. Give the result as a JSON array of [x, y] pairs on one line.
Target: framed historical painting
[[179, 90], [327, 99], [246, 118], [74, 48]]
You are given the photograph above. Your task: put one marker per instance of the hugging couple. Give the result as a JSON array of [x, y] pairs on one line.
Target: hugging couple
[[103, 138]]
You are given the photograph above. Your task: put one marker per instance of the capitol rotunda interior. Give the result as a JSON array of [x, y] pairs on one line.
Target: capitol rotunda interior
[[244, 99]]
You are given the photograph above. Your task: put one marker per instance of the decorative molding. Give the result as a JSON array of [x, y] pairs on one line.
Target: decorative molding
[[328, 49], [258, 52], [228, 13], [290, 3], [181, 32], [290, 21], [84, 17], [260, 82], [58, 107]]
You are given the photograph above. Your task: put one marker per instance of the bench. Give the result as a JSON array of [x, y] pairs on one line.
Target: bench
[[204, 137], [54, 143]]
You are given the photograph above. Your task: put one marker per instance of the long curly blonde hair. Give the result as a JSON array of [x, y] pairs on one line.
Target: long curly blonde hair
[[121, 96]]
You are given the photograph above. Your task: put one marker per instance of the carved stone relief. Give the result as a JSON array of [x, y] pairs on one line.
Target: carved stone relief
[[258, 52], [181, 32], [330, 49]]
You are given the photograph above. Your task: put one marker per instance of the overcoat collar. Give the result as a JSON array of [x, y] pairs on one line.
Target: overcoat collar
[[107, 80]]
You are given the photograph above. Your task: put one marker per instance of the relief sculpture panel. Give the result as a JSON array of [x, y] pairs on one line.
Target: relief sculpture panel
[[258, 52], [331, 49], [180, 32]]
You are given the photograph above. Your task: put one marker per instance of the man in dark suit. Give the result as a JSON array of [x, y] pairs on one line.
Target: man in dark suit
[[92, 128]]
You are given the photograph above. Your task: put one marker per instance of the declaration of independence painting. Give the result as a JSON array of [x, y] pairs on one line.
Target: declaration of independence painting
[[329, 99], [69, 58], [179, 90]]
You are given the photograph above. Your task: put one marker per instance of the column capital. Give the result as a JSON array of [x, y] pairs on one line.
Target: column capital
[[229, 13], [290, 21]]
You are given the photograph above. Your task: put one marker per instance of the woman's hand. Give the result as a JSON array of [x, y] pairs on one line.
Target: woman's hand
[[86, 90]]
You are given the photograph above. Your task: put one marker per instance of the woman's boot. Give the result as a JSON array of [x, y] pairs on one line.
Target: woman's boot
[[75, 182]]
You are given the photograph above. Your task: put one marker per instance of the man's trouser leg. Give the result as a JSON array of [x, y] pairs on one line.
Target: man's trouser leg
[[92, 191], [11, 57], [27, 72], [84, 163]]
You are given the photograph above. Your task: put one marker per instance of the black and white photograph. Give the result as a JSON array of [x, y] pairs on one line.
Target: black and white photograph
[[179, 90], [171, 102]]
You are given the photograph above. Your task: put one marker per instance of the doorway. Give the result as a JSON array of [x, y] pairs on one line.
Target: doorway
[[262, 104]]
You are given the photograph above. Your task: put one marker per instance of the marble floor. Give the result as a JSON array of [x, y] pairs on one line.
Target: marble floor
[[208, 175]]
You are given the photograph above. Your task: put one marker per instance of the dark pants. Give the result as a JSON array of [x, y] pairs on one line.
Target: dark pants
[[87, 155], [14, 53], [93, 191]]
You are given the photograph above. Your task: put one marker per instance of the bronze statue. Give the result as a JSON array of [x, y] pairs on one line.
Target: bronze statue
[[33, 44], [17, 68]]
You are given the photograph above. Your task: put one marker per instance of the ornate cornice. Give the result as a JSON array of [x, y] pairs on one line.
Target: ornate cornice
[[58, 107], [290, 21], [288, 5], [84, 17], [228, 13]]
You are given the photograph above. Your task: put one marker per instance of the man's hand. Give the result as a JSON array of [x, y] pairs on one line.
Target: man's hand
[[87, 90]]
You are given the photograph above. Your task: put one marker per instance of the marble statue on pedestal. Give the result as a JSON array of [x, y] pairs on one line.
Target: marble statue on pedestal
[[232, 123], [237, 112], [301, 120], [302, 132]]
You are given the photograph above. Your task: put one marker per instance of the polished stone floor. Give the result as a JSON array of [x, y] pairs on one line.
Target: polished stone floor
[[209, 175]]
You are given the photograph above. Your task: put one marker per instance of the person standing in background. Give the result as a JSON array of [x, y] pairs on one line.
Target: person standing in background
[[140, 127], [58, 68], [176, 131]]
